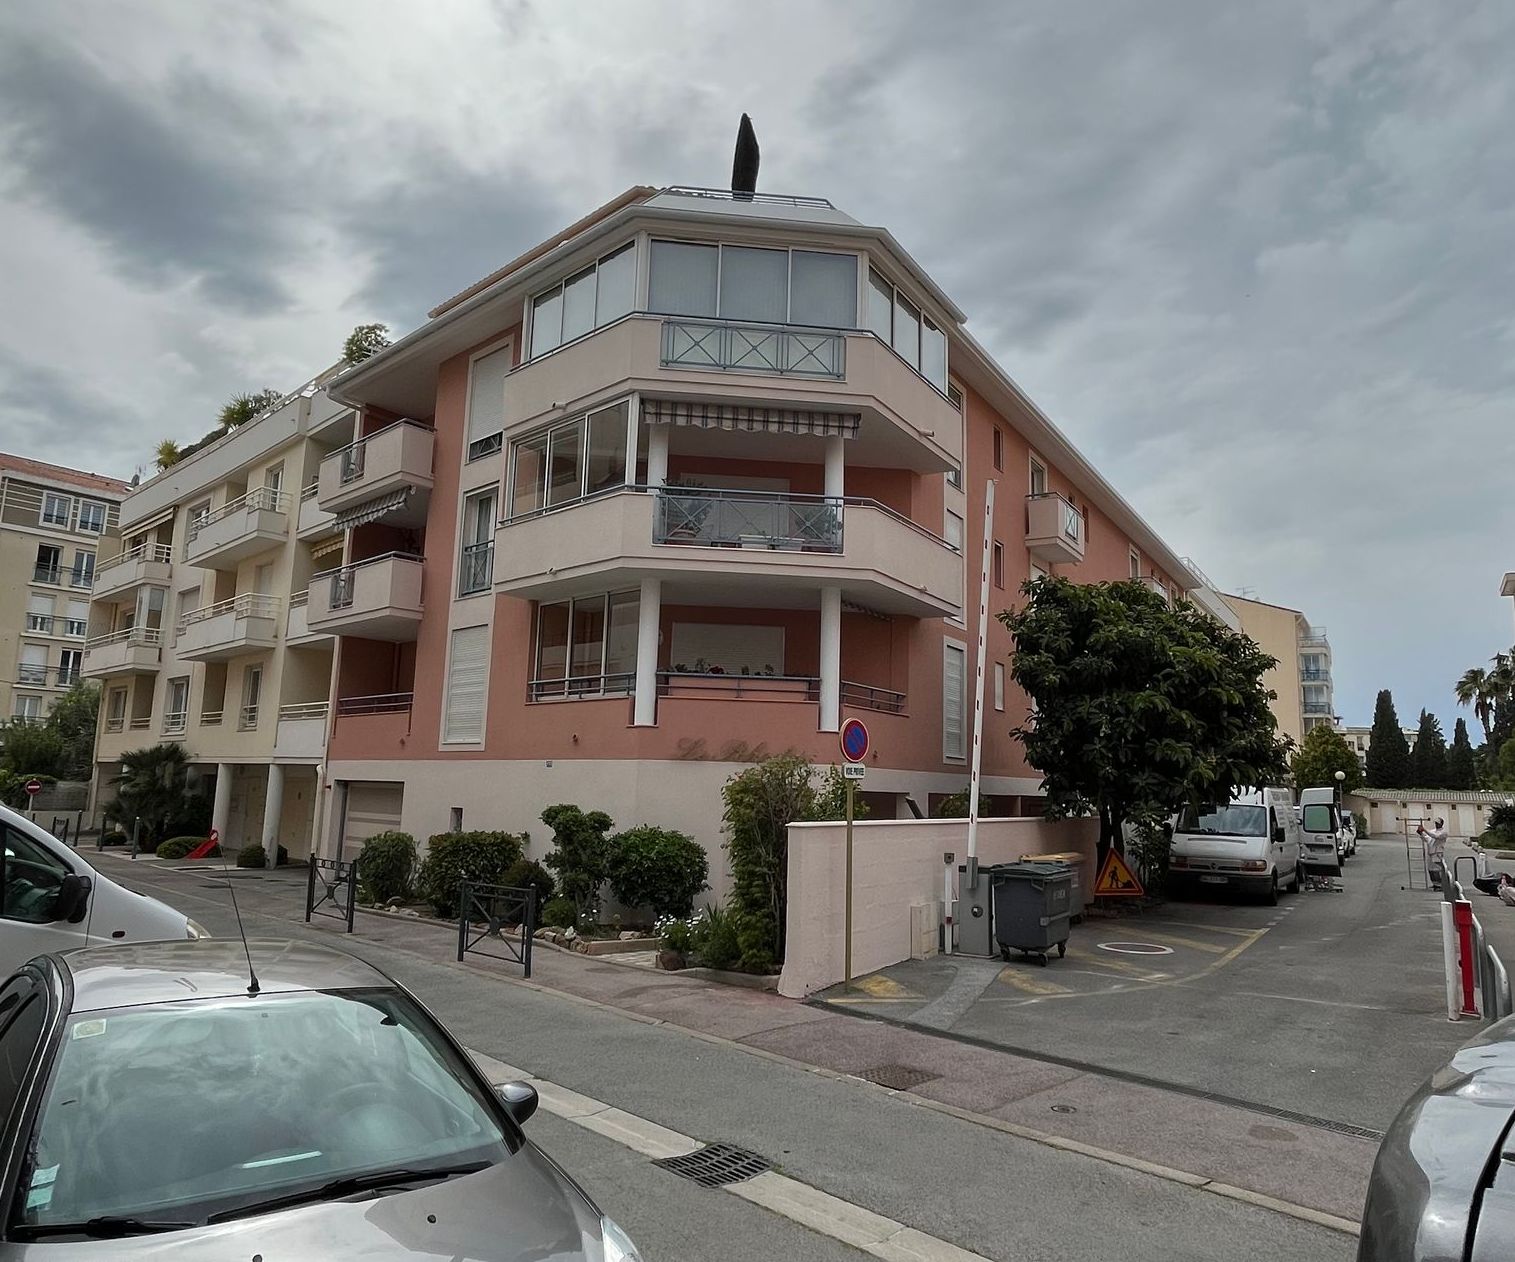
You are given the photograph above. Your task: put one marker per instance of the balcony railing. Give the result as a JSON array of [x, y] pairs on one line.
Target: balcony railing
[[475, 568], [247, 605], [159, 552], [210, 718], [175, 722], [613, 685], [1315, 676], [377, 703], [141, 723], [42, 623], [1314, 637], [115, 723], [260, 497], [674, 683], [247, 718], [869, 697], [303, 710], [78, 628], [29, 673], [1317, 707], [83, 579], [748, 519], [766, 348], [127, 635]]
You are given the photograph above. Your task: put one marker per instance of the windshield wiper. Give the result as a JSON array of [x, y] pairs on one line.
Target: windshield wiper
[[349, 1185], [106, 1227]]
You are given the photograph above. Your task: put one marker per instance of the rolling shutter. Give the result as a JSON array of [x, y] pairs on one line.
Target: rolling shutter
[[467, 680], [954, 681], [486, 394]]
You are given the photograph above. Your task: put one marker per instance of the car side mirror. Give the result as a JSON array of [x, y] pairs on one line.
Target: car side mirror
[[73, 898], [520, 1099]]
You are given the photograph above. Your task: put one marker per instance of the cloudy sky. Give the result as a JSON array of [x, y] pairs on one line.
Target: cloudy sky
[[1257, 260]]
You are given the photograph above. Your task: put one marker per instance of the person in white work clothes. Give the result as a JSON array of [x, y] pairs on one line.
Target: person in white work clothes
[[1435, 839]]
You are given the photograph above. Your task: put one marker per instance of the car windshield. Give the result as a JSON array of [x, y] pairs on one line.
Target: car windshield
[[307, 1088], [1319, 818], [1233, 820]]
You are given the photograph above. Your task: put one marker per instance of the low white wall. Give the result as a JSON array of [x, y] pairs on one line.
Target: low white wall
[[1389, 815], [896, 865]]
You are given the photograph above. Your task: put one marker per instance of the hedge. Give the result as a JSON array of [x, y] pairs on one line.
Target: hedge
[[452, 858]]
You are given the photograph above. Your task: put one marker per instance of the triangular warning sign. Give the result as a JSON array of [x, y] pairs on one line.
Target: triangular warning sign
[[1116, 880]]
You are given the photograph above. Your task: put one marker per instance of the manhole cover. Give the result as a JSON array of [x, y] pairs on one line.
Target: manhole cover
[[1135, 948], [897, 1077], [716, 1165], [1064, 1108]]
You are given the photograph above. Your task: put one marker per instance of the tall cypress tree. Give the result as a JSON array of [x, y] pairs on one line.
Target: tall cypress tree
[[1462, 763], [1388, 757], [1428, 760]]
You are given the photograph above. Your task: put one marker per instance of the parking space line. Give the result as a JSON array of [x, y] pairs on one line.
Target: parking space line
[[1123, 968], [1174, 939], [1029, 983]]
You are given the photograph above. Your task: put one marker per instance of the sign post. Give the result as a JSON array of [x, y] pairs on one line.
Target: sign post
[[33, 787], [853, 739]]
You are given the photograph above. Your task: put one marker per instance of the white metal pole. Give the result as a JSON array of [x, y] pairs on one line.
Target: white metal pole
[[978, 685]]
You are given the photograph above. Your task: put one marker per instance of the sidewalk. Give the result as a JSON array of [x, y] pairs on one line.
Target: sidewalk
[[1175, 1136]]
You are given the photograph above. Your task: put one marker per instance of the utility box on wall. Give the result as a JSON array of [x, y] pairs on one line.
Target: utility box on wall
[[925, 929]]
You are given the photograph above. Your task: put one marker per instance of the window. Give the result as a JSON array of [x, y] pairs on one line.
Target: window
[[954, 690], [900, 323], [455, 819], [39, 613], [586, 647], [999, 449], [999, 685], [486, 401], [571, 460], [56, 509], [273, 478], [24, 1014], [1136, 563], [28, 708], [77, 620], [476, 560], [763, 285], [92, 516], [602, 292], [49, 558], [70, 663], [33, 667], [176, 709], [197, 516], [252, 691], [467, 682], [115, 710], [1038, 477], [31, 878], [954, 530], [999, 565], [83, 573], [955, 477]]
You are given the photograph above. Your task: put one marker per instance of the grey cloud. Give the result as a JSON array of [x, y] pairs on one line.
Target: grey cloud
[[53, 415]]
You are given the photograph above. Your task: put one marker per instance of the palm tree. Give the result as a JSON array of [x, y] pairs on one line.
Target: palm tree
[[1473, 689], [151, 786], [168, 454]]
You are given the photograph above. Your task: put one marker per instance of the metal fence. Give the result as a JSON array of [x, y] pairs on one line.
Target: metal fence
[[337, 882], [1493, 980], [497, 915]]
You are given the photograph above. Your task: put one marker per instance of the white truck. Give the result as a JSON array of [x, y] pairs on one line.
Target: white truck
[[1252, 843], [1320, 817]]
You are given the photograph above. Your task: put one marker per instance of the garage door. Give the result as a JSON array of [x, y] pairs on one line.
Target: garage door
[[372, 807]]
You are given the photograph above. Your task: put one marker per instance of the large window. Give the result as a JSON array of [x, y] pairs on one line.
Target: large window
[[56, 509], [899, 322], [766, 286], [476, 557], [586, 647], [569, 461], [954, 693], [602, 292], [92, 516]]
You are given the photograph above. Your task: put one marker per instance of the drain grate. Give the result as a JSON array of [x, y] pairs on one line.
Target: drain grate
[[716, 1165], [896, 1077]]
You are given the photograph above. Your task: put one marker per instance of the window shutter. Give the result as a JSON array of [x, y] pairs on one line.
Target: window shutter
[[467, 678], [486, 394], [78, 610], [39, 604], [953, 663]]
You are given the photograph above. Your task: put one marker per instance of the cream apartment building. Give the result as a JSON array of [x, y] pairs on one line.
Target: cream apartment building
[[53, 522], [198, 630], [1302, 678]]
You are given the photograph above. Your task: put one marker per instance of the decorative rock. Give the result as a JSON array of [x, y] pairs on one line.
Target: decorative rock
[[629, 935], [546, 931], [570, 933], [671, 961]]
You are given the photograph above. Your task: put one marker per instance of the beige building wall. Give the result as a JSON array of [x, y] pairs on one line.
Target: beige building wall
[[1276, 631]]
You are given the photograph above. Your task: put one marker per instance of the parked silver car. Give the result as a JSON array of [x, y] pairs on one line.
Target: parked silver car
[[1443, 1185], [152, 1096]]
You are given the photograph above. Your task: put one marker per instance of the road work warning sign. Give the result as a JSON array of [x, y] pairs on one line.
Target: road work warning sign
[[1116, 880]]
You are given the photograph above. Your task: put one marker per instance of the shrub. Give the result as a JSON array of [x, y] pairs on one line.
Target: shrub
[[191, 818], [452, 858], [114, 837], [1362, 825], [580, 853], [831, 798], [955, 806], [716, 938], [657, 868], [252, 856], [178, 847], [560, 913], [760, 804], [528, 874], [674, 934], [386, 867]]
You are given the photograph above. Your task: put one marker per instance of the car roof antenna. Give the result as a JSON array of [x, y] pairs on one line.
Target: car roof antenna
[[231, 888]]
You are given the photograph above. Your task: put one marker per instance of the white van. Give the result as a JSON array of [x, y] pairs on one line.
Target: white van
[[54, 900], [1253, 843], [1319, 816]]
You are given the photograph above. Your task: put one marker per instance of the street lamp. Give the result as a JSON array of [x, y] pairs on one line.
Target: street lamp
[[1341, 777]]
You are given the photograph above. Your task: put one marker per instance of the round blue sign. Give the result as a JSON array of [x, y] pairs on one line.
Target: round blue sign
[[854, 740]]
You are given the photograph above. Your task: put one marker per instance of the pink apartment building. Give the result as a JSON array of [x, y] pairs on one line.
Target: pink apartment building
[[688, 484]]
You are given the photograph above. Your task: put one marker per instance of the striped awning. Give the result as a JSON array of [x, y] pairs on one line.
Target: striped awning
[[752, 419], [372, 510]]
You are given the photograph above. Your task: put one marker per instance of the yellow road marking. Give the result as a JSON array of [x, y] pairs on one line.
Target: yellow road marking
[[1200, 928], [881, 987], [1117, 966], [1032, 985]]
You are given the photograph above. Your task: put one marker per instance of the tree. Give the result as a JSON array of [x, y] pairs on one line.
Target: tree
[[1137, 706], [31, 749], [1462, 762], [364, 341], [244, 407], [581, 854], [73, 719], [1323, 753], [1428, 760], [1473, 689], [168, 454], [151, 786], [1504, 765], [1388, 758]]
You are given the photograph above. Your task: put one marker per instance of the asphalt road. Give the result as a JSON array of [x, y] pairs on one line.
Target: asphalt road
[[1330, 1005], [999, 1195]]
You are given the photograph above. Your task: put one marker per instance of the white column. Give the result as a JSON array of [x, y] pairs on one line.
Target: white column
[[831, 659], [273, 811], [834, 465], [649, 615], [221, 804], [657, 455]]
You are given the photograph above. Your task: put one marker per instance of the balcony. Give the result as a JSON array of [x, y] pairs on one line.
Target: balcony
[[1314, 638], [174, 722], [246, 526], [150, 563], [389, 462], [245, 624], [1054, 529], [301, 732], [314, 522], [476, 568], [1154, 584], [733, 547], [133, 651], [904, 422], [377, 599], [1317, 707], [1311, 676], [79, 579], [297, 630]]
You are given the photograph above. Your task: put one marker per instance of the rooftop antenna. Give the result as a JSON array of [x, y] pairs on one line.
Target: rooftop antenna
[[744, 166], [231, 888]]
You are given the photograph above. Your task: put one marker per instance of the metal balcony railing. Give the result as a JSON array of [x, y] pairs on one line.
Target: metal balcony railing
[[160, 552], [619, 684], [83, 579], [29, 673], [1070, 521], [1317, 707], [210, 718], [1311, 675], [128, 635], [260, 497], [115, 723], [175, 721], [869, 697], [354, 458], [296, 710], [759, 687], [247, 718], [141, 723], [377, 703], [475, 568], [748, 519], [76, 627], [42, 623], [247, 605], [45, 574], [785, 350]]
